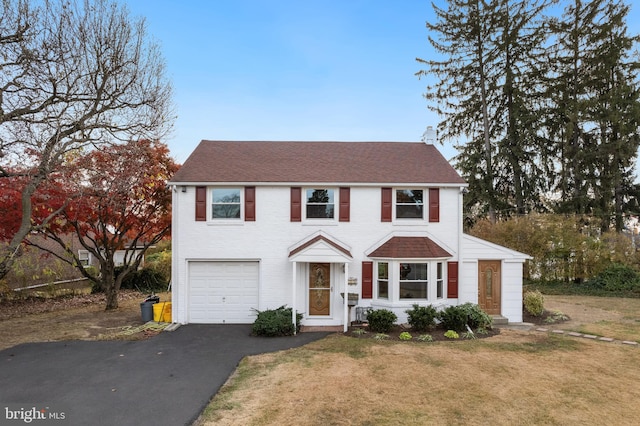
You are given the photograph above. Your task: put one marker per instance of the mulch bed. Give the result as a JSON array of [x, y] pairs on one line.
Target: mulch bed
[[437, 333], [547, 318]]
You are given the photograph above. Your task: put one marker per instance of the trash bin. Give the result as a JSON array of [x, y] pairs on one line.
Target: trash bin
[[152, 298], [146, 308], [162, 312]]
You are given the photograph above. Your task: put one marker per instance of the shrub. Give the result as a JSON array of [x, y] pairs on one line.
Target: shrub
[[405, 336], [160, 262], [381, 336], [534, 303], [451, 334], [425, 338], [381, 320], [458, 317], [275, 322], [617, 278], [422, 318], [145, 280], [358, 332], [453, 318]]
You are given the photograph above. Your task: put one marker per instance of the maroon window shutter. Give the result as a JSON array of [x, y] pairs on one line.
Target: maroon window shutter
[[387, 204], [434, 205], [367, 280], [452, 280], [296, 204], [250, 203], [345, 204], [201, 203]]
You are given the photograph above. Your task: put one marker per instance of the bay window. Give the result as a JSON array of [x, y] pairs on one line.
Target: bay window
[[409, 281]]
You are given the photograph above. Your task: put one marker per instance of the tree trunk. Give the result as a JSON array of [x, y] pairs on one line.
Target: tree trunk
[[110, 289]]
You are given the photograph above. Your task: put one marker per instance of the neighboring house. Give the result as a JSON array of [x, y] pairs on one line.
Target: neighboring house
[[258, 225]]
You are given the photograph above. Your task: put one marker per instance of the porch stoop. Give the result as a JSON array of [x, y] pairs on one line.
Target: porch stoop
[[499, 320], [327, 328]]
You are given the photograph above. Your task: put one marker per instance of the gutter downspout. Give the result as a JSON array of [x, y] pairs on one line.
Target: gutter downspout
[[177, 305]]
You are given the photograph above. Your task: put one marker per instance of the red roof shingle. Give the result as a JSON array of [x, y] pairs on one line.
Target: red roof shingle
[[410, 248], [321, 162]]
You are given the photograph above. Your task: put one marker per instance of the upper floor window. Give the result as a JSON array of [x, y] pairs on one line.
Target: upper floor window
[[320, 204], [409, 204], [225, 203]]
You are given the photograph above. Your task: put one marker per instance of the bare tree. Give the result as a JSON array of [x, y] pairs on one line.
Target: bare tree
[[73, 76]]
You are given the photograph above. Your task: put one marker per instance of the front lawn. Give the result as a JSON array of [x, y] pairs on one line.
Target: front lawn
[[516, 377]]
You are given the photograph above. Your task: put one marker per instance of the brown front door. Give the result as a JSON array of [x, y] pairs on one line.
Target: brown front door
[[320, 289], [489, 286]]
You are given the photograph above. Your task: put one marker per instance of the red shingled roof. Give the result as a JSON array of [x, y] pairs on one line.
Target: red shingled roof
[[340, 162], [409, 248]]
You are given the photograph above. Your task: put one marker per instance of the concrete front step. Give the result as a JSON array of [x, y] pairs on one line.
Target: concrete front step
[[499, 320]]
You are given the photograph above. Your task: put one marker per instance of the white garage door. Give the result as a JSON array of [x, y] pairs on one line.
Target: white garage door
[[223, 292]]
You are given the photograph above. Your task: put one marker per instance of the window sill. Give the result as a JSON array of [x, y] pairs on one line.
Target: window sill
[[235, 222], [411, 222], [320, 222]]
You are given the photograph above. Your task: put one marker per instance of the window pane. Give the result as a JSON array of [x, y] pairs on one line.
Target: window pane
[[383, 270], [383, 289], [315, 211], [410, 212], [413, 271], [226, 195], [226, 211], [320, 196], [408, 196], [413, 290]]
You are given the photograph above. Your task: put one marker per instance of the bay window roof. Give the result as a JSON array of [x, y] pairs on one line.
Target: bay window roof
[[410, 248]]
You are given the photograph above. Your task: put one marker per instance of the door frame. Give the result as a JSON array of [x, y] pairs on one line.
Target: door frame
[[308, 289], [491, 304]]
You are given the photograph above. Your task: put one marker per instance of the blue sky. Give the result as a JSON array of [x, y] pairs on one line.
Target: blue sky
[[340, 70], [292, 70]]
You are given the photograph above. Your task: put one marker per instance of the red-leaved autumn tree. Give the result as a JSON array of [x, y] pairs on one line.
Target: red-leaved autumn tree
[[111, 199]]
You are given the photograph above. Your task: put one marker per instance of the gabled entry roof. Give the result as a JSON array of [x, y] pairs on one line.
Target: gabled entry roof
[[409, 248], [320, 248]]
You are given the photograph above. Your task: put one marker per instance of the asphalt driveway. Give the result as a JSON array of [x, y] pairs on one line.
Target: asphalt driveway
[[166, 380]]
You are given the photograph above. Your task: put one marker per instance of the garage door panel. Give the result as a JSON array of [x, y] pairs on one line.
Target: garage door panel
[[223, 292]]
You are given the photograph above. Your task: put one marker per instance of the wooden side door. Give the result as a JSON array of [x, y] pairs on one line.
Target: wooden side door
[[489, 286], [320, 289]]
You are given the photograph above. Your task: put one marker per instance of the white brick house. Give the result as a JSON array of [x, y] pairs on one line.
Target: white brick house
[[258, 225]]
